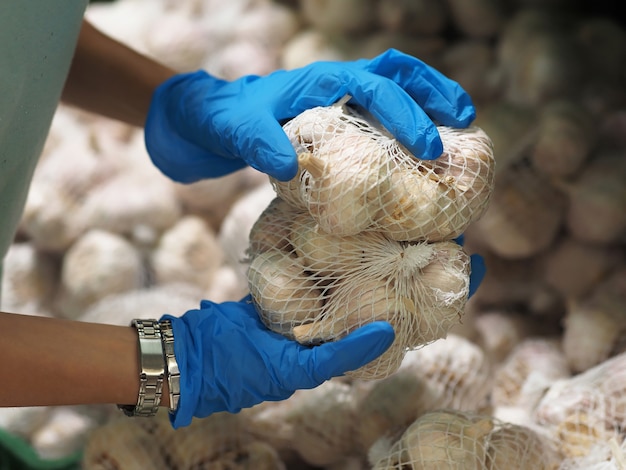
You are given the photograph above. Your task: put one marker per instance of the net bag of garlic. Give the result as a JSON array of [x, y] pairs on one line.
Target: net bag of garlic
[[450, 439], [365, 231]]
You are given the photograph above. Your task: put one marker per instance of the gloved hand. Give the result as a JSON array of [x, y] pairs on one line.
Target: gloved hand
[[199, 126], [229, 360]]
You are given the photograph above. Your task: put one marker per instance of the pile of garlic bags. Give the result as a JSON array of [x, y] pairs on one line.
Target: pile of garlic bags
[[364, 232], [541, 345]]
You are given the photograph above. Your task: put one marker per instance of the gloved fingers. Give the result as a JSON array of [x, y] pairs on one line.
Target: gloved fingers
[[442, 98], [185, 162], [268, 149], [478, 270], [398, 113], [335, 358], [392, 106]]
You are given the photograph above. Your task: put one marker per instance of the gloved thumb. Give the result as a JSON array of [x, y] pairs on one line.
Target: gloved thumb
[[357, 349]]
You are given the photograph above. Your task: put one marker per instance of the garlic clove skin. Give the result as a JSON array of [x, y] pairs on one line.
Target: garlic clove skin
[[187, 252], [456, 373], [529, 370], [520, 447], [444, 439], [565, 139], [327, 255], [390, 405], [272, 228], [121, 443], [98, 264], [284, 294], [437, 200], [421, 289], [348, 175], [323, 425], [524, 217]]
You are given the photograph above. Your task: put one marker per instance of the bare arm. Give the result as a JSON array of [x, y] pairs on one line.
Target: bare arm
[[110, 79], [50, 361]]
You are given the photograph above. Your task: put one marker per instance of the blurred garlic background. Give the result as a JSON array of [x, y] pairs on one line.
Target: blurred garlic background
[[535, 371]]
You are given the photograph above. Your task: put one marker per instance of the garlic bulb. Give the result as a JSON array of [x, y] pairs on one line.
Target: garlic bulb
[[500, 331], [586, 409], [49, 218], [390, 405], [120, 309], [548, 66], [130, 200], [235, 233], [421, 17], [343, 192], [339, 17], [512, 128], [472, 63], [524, 216], [531, 368], [327, 255], [272, 229], [477, 18], [64, 433], [436, 200], [219, 441], [511, 446], [597, 199], [187, 252], [355, 177], [323, 425], [319, 286], [565, 139], [285, 294], [575, 268], [444, 439], [310, 45], [99, 264], [454, 370], [420, 289], [594, 325], [29, 279], [121, 444]]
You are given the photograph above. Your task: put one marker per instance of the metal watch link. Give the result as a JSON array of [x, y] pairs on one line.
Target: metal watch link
[[173, 372], [152, 365]]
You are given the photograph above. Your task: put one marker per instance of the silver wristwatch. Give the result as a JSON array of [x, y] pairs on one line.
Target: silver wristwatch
[[152, 369], [173, 372]]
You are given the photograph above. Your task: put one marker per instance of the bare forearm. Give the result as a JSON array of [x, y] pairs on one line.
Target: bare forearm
[[47, 361], [110, 79]]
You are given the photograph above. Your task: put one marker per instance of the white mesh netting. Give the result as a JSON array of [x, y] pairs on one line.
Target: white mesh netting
[[364, 233], [354, 177], [449, 439]]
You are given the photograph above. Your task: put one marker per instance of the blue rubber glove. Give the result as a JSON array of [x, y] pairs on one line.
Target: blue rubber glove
[[199, 126], [478, 268], [229, 360]]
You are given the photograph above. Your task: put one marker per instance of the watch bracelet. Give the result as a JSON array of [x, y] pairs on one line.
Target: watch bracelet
[[153, 369], [171, 365]]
